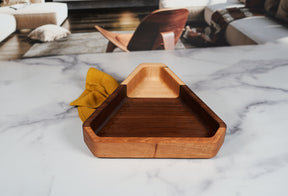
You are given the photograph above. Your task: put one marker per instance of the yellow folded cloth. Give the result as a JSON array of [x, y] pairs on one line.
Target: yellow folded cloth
[[99, 86]]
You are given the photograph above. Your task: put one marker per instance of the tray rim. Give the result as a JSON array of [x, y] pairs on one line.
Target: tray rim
[[144, 65]]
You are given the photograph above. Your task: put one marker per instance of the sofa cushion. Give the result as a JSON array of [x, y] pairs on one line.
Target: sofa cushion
[[195, 7], [282, 12], [258, 29], [271, 6], [254, 3], [47, 33], [210, 9], [235, 37], [7, 25], [35, 15]]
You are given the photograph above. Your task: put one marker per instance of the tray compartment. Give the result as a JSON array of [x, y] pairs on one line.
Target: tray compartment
[[152, 82], [131, 123]]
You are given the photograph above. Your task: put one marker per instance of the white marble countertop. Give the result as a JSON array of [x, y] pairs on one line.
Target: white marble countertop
[[42, 151]]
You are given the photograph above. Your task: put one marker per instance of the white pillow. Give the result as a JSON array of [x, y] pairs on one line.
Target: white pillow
[[47, 33]]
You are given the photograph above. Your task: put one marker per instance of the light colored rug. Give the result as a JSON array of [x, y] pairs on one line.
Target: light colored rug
[[77, 43]]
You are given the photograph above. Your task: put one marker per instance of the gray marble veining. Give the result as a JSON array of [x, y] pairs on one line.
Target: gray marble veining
[[42, 150]]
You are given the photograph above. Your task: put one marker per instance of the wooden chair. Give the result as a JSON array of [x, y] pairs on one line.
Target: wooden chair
[[160, 29]]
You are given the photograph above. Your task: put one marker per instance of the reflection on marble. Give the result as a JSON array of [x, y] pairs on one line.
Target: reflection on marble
[[77, 43], [41, 143]]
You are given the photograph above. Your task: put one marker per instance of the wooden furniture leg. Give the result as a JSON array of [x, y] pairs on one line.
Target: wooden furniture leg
[[113, 40], [166, 39], [110, 47]]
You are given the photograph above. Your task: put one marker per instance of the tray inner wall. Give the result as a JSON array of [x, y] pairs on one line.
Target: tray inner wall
[[156, 117], [153, 82]]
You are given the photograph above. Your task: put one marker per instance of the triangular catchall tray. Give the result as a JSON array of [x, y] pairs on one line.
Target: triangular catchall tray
[[153, 114]]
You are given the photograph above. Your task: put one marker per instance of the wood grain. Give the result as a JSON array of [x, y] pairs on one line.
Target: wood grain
[[152, 31], [168, 40], [152, 81], [173, 127], [161, 117]]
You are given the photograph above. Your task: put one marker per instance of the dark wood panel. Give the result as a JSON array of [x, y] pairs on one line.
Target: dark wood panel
[[123, 19], [156, 117], [96, 4]]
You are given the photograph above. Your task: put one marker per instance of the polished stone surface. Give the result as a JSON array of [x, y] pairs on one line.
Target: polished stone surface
[[42, 150]]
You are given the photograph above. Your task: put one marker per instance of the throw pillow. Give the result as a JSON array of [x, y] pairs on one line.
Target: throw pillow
[[282, 12], [47, 33], [254, 3], [271, 6], [13, 2]]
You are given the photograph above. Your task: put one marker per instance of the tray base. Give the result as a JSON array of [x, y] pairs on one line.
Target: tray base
[[151, 117]]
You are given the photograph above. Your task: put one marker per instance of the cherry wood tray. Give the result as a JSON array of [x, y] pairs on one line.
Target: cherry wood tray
[[153, 114]]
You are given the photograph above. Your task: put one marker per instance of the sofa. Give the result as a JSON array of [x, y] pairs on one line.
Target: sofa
[[37, 13], [249, 30], [196, 7], [7, 25]]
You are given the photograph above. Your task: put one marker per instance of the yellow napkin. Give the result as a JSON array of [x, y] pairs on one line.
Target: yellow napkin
[[99, 86]]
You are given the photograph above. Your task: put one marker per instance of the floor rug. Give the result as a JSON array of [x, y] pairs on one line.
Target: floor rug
[[77, 43]]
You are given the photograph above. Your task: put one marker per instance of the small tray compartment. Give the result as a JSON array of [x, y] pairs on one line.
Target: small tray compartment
[[153, 114]]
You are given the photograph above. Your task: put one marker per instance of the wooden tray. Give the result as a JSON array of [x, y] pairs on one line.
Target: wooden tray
[[153, 114]]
